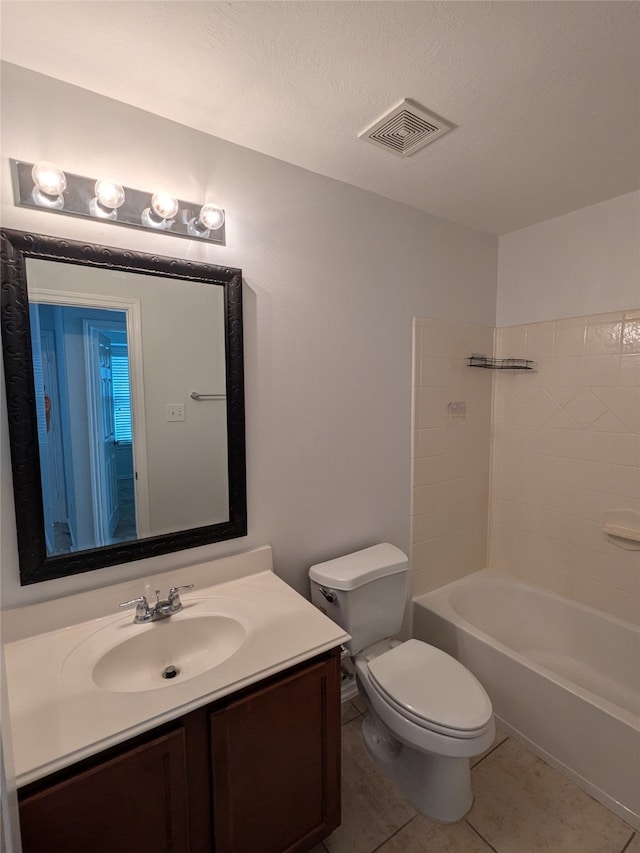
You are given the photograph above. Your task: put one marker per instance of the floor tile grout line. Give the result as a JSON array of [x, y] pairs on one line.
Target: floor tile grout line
[[471, 826], [358, 714], [491, 751], [394, 833], [356, 720]]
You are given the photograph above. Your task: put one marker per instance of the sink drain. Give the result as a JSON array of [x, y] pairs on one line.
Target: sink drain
[[171, 672]]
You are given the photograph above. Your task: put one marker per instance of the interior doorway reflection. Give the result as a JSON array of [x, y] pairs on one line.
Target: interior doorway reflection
[[85, 430]]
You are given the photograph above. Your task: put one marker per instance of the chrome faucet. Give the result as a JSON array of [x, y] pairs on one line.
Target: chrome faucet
[[161, 609]]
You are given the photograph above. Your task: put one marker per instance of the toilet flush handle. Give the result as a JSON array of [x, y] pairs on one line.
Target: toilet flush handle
[[330, 596]]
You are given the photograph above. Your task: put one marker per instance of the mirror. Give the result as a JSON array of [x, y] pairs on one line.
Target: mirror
[[125, 399]]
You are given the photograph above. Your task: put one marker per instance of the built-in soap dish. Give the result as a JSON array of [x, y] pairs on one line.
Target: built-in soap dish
[[622, 528]]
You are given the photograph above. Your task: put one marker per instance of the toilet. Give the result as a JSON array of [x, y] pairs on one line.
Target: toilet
[[427, 714]]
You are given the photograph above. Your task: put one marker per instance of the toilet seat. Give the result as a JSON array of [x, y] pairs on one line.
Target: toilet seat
[[432, 689]]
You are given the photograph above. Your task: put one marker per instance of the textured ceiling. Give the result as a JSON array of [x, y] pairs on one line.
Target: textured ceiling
[[544, 96]]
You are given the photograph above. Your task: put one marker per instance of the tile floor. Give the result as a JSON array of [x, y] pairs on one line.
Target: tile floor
[[521, 806]]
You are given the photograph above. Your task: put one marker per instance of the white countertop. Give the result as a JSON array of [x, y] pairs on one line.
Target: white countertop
[[59, 715]]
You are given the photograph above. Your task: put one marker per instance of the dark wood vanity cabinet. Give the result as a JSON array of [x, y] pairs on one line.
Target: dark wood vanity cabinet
[[257, 772], [276, 764], [137, 800]]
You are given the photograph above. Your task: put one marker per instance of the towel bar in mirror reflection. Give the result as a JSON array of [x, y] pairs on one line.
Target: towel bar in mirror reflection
[[195, 395]]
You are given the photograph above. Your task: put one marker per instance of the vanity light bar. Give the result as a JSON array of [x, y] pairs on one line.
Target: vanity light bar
[[46, 187]]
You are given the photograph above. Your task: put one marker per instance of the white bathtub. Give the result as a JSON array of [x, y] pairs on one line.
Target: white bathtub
[[564, 678]]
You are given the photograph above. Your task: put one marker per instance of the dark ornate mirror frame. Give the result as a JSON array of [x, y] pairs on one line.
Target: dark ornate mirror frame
[[35, 564]]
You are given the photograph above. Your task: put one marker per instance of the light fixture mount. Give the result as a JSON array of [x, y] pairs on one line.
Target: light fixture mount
[[118, 205]]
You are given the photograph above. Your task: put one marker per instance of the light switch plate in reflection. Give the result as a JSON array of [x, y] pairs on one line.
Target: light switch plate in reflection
[[175, 412]]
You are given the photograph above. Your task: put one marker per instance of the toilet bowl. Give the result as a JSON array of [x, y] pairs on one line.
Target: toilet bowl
[[427, 714]]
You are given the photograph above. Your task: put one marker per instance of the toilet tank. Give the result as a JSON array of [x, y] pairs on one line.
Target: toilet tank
[[364, 592]]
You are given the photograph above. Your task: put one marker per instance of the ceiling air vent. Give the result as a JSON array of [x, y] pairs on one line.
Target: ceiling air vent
[[406, 129]]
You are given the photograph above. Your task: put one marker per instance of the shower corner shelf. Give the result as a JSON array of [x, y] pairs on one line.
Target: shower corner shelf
[[500, 363]]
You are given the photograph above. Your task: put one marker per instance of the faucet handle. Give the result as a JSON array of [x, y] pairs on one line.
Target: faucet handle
[[140, 600], [142, 608], [176, 589], [174, 597]]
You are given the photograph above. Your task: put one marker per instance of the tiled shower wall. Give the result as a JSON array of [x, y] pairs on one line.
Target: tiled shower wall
[[566, 449], [451, 453]]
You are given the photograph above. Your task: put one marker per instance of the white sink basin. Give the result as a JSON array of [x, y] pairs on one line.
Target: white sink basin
[[124, 657], [168, 652]]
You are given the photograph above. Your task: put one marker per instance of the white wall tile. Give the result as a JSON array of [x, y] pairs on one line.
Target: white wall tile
[[451, 455], [631, 335], [507, 512], [603, 338], [427, 442], [625, 480], [602, 369], [621, 449], [629, 369], [542, 371], [512, 342], [429, 370], [564, 450], [628, 410], [595, 476], [450, 372], [568, 370], [585, 408], [609, 422], [559, 468], [534, 439], [563, 442], [429, 340], [600, 319], [570, 336], [540, 339]]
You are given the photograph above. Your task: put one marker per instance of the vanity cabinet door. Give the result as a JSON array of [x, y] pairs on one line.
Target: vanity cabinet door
[[276, 763], [132, 803]]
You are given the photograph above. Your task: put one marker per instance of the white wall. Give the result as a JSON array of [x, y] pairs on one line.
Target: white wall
[[333, 277], [586, 262]]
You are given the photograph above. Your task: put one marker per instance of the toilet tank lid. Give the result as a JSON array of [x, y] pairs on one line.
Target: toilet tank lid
[[354, 570]]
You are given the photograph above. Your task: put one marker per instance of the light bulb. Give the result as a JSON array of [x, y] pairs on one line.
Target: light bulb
[[160, 215], [164, 206], [109, 197], [49, 178], [210, 218], [50, 182], [109, 194]]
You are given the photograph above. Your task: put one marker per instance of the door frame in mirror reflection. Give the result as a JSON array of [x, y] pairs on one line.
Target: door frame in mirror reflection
[[131, 309], [35, 564]]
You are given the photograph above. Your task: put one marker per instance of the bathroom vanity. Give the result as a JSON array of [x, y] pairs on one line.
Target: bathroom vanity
[[260, 768], [239, 752]]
